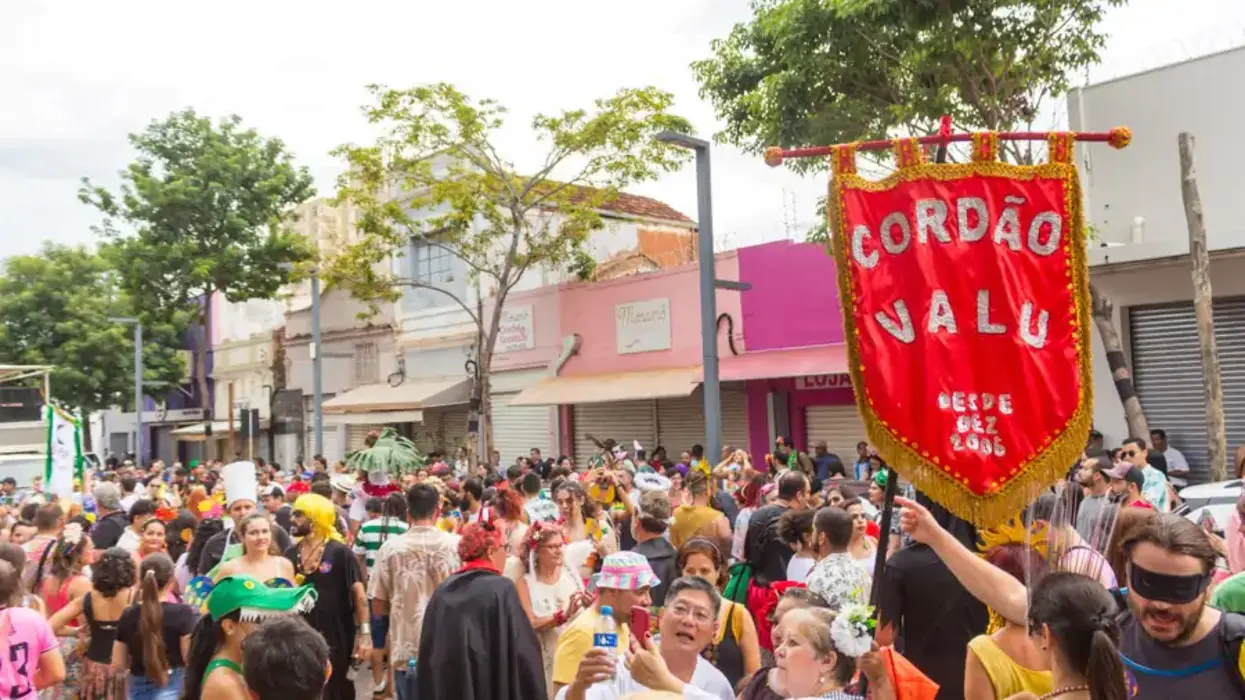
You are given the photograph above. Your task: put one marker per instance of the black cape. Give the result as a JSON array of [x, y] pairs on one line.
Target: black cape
[[478, 643]]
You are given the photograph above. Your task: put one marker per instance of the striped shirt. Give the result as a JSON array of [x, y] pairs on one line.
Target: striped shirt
[[372, 534]]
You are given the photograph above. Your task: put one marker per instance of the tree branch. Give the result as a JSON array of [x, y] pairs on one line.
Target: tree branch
[[423, 285]]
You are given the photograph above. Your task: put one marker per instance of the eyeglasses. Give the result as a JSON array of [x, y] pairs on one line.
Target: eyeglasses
[[698, 615], [1128, 453]]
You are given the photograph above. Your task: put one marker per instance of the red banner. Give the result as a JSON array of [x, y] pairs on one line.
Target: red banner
[[966, 305]]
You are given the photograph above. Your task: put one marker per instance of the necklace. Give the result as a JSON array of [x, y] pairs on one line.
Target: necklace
[[1064, 691], [309, 562]]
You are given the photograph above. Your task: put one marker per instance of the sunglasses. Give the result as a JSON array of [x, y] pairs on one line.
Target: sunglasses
[[1128, 453]]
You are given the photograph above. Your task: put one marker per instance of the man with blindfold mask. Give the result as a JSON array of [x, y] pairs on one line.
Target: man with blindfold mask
[[1173, 643]]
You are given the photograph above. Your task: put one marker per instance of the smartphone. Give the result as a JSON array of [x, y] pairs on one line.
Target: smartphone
[[641, 619]]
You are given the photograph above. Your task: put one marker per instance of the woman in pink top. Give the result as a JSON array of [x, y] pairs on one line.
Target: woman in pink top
[[64, 585], [33, 660]]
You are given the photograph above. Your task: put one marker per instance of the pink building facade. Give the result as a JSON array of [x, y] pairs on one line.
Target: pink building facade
[[792, 312], [623, 358]]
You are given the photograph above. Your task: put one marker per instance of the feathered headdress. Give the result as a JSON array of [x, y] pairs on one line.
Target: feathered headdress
[[389, 453], [1012, 532]]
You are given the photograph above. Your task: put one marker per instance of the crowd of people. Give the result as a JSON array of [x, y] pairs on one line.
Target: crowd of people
[[718, 580]]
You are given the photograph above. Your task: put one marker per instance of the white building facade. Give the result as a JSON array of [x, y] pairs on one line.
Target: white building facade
[[435, 337], [1140, 259]]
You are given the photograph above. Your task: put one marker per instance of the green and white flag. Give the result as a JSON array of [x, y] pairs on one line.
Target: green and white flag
[[64, 462]]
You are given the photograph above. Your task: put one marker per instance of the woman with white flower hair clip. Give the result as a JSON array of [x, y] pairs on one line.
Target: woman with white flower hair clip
[[550, 592], [818, 654]]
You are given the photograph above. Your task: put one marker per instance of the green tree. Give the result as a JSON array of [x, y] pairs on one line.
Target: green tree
[[435, 175], [817, 72], [55, 309], [206, 207], [814, 72]]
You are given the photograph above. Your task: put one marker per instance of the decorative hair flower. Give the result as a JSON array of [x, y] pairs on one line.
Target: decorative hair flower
[[72, 534], [852, 630]]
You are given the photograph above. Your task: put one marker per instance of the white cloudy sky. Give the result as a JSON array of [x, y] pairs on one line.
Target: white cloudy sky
[[76, 77]]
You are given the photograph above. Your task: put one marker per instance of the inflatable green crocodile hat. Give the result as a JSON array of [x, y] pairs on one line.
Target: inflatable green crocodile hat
[[255, 600]]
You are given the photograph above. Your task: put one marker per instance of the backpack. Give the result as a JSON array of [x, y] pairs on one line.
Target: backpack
[[1232, 641]]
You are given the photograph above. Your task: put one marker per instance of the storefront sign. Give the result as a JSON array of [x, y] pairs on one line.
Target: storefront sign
[[643, 326], [171, 415], [823, 381], [966, 308], [517, 331]]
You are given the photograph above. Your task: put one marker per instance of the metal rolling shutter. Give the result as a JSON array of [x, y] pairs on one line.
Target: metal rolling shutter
[[453, 423], [839, 426], [333, 444], [624, 421], [356, 436], [1167, 371], [735, 418], [681, 423], [517, 429]]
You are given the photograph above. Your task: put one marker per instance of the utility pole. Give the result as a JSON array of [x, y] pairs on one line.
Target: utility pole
[[709, 284], [1217, 443], [317, 391], [138, 384], [316, 376]]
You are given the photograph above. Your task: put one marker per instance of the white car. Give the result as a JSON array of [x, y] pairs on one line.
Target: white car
[[1217, 500]]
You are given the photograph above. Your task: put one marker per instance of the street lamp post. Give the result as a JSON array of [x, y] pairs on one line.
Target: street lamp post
[[317, 384], [138, 384], [708, 285]]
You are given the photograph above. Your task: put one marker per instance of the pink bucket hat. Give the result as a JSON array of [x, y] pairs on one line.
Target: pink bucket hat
[[625, 571]]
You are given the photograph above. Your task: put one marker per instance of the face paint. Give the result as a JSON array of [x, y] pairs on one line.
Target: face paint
[[1166, 588]]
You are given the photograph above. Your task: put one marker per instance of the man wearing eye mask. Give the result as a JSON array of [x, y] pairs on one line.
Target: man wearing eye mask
[[1173, 644]]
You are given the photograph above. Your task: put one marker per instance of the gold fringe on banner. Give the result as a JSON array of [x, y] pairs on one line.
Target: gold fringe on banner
[[985, 147], [1060, 450]]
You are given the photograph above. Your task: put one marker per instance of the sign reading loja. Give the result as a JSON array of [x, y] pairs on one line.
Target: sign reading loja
[[966, 304]]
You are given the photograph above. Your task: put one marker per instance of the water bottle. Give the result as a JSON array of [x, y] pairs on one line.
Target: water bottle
[[605, 635]]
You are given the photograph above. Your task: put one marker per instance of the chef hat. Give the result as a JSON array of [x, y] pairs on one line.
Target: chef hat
[[240, 483]]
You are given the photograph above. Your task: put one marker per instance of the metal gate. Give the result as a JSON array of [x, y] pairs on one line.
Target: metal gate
[[681, 421], [1167, 370], [356, 436], [333, 444], [624, 421], [517, 429], [840, 426]]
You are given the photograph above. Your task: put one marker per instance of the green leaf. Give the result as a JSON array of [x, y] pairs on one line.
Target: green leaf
[[390, 453], [818, 72]]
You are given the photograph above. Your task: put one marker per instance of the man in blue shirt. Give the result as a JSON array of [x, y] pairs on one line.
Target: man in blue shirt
[[862, 461], [827, 464]]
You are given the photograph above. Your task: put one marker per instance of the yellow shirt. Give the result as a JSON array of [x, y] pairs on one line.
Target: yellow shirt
[[1007, 676], [576, 640], [690, 521]]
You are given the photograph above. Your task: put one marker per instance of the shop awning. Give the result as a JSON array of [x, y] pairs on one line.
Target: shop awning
[[374, 418], [407, 396], [787, 362], [220, 428], [604, 388]]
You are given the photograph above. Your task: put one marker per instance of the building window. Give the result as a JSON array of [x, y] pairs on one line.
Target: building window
[[366, 364], [432, 264]]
